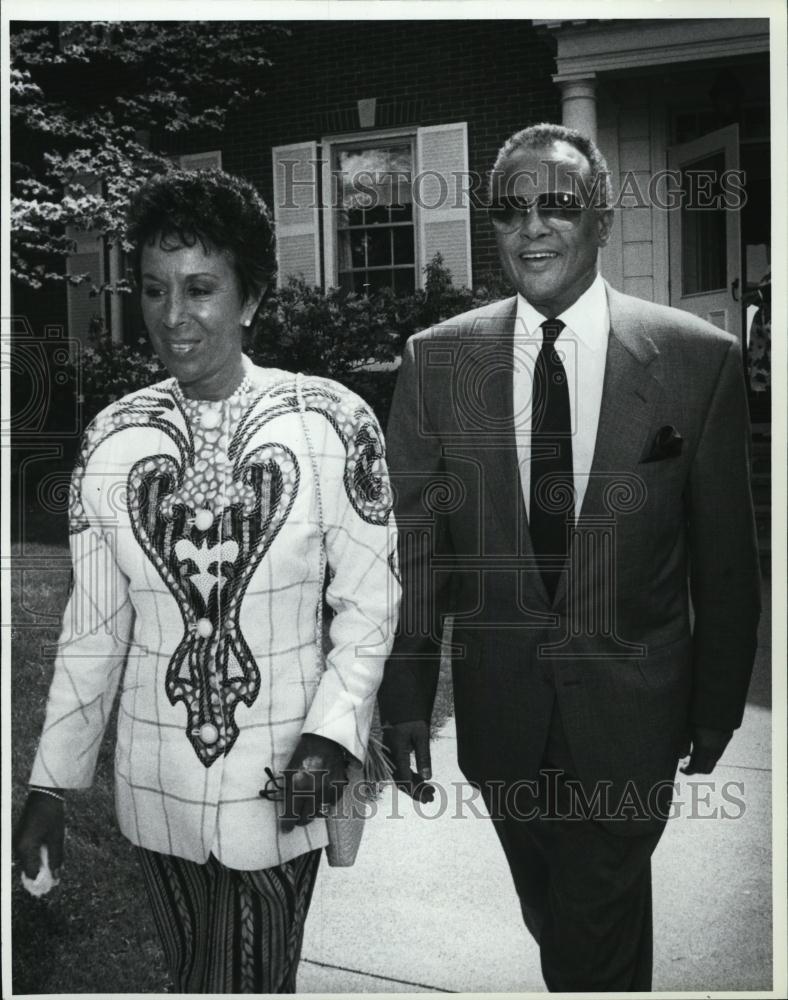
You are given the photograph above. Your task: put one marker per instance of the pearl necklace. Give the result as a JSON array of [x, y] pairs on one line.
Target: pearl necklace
[[208, 487], [213, 406]]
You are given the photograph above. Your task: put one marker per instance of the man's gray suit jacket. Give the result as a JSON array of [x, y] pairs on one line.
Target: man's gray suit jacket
[[653, 626]]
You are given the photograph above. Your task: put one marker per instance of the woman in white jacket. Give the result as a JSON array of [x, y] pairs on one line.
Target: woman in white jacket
[[203, 514]]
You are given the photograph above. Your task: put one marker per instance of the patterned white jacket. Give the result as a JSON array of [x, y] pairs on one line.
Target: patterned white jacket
[[195, 536]]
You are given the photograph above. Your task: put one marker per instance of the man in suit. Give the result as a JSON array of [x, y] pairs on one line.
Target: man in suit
[[571, 473]]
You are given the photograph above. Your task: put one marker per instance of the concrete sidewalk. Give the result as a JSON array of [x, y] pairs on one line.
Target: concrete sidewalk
[[430, 907]]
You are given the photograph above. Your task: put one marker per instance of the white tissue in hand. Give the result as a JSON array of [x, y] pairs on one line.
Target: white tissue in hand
[[44, 881]]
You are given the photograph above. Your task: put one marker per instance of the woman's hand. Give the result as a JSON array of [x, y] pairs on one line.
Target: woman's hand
[[42, 824], [314, 778]]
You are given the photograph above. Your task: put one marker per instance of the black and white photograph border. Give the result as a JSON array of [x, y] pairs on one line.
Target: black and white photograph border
[[429, 905]]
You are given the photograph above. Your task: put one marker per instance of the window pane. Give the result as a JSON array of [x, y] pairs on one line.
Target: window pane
[[379, 279], [403, 245], [351, 249], [376, 216], [378, 247], [375, 175], [703, 239], [358, 245]]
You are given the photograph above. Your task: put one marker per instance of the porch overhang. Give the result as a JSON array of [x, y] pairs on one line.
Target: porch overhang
[[588, 48]]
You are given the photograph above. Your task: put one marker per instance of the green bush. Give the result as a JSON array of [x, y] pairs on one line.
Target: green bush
[[110, 371], [323, 332], [341, 334]]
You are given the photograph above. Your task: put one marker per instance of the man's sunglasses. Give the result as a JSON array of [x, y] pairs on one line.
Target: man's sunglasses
[[558, 208]]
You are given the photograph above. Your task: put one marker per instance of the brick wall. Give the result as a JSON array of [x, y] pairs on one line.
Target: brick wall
[[495, 75]]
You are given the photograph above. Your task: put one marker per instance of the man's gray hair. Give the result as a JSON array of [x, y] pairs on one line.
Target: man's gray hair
[[545, 134]]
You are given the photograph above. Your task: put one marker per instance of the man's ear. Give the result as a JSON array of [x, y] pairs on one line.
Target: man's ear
[[251, 306], [604, 224]]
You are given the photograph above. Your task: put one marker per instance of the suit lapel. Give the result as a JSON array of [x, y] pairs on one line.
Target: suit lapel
[[629, 393], [503, 491], [497, 333]]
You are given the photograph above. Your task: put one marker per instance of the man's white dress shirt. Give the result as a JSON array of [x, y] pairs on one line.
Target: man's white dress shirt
[[583, 349]]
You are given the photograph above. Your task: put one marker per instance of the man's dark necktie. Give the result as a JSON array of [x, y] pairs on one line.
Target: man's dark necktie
[[552, 484]]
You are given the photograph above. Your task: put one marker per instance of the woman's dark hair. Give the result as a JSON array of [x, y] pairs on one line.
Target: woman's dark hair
[[218, 210]]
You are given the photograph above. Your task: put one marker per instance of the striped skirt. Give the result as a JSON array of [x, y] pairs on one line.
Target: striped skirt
[[228, 931]]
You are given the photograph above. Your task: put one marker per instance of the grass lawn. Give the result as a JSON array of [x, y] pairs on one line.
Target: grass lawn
[[94, 932]]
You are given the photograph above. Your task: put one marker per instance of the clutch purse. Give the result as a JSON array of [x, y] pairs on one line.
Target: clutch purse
[[345, 819]]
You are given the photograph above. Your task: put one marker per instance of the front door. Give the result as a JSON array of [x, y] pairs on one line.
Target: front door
[[705, 232]]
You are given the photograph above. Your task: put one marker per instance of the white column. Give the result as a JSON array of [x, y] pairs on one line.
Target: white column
[[578, 104]]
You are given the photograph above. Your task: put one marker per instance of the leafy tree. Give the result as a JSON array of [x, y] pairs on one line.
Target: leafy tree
[[93, 106]]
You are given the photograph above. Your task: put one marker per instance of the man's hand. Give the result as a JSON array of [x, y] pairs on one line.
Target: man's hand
[[400, 738], [42, 824], [314, 778], [707, 748]]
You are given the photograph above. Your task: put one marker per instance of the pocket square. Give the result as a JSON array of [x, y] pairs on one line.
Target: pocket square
[[667, 444]]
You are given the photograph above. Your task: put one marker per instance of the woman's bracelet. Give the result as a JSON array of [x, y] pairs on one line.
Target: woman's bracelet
[[48, 791]]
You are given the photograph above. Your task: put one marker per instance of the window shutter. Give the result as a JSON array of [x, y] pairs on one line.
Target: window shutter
[[444, 213], [201, 161], [296, 211]]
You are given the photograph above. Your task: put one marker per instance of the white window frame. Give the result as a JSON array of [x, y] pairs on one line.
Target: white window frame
[[328, 146]]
